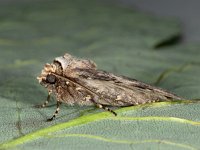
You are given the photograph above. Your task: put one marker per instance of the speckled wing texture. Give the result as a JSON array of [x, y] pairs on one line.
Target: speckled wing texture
[[112, 90]]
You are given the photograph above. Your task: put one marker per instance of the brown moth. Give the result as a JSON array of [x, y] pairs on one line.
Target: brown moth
[[78, 81]]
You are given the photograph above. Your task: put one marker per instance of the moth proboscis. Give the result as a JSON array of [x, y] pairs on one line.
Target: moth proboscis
[[78, 81]]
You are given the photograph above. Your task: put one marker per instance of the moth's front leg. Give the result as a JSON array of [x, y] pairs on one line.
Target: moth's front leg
[[56, 112], [46, 102]]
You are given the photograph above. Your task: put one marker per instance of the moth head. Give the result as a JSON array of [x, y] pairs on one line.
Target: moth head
[[46, 75]]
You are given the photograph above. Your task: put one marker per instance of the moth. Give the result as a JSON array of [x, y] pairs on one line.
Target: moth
[[78, 81]]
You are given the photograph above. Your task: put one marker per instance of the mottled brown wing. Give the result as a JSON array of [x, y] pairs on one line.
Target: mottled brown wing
[[113, 90]]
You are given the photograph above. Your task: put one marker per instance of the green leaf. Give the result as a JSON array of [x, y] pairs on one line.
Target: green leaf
[[119, 40]]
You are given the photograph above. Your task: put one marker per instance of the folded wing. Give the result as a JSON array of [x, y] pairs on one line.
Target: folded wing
[[113, 90]]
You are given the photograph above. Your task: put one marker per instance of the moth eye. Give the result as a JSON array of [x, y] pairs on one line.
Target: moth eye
[[51, 79]]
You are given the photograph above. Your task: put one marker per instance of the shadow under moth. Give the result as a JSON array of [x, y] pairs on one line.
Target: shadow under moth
[[78, 81]]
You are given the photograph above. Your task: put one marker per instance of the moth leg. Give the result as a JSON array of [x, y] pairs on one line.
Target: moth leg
[[46, 102], [56, 112], [106, 108]]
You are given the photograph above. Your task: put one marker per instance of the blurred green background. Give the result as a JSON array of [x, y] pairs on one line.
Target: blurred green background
[[119, 39]]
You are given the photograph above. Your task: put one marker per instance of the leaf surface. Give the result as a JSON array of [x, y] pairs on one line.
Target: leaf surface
[[119, 40]]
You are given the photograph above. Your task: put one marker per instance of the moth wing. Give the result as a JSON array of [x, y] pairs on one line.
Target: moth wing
[[110, 89]]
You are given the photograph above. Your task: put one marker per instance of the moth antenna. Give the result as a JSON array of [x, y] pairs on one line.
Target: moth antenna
[[56, 112]]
